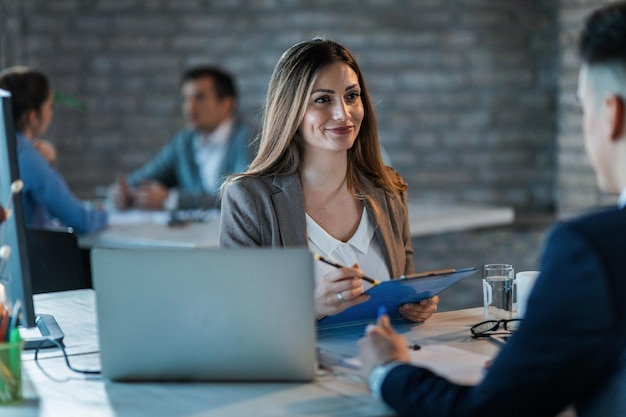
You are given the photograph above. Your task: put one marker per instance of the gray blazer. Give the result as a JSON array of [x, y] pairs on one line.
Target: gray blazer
[[269, 211]]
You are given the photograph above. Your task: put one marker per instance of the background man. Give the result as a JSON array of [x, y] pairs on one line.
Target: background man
[[187, 172]]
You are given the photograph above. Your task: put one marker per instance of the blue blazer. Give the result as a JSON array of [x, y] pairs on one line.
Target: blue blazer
[[175, 167], [569, 348]]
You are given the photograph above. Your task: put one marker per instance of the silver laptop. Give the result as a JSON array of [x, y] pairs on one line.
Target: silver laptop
[[205, 314]]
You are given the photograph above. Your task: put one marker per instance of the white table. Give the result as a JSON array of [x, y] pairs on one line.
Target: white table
[[428, 219], [140, 229], [136, 229], [54, 390]]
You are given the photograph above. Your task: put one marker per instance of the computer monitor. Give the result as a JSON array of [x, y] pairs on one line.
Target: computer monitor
[[36, 330]]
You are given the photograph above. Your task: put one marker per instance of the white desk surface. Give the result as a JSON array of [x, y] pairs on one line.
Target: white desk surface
[[139, 229], [133, 229], [53, 390]]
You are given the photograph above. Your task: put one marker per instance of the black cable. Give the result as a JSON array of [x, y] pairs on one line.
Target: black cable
[[67, 361]]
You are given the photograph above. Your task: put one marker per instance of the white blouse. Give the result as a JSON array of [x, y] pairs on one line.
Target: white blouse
[[361, 248]]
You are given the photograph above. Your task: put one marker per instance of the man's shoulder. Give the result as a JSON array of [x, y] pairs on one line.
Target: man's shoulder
[[599, 224], [181, 143], [602, 218], [242, 131], [183, 135], [241, 124]]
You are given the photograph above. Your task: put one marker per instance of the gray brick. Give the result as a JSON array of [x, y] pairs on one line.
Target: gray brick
[[452, 81]]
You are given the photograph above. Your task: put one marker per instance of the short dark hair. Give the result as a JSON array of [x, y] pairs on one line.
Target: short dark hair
[[29, 90], [224, 84], [603, 39]]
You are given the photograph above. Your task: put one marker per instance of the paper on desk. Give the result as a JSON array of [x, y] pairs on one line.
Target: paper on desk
[[458, 365], [132, 217]]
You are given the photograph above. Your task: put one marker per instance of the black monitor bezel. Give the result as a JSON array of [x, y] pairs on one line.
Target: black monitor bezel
[[19, 284]]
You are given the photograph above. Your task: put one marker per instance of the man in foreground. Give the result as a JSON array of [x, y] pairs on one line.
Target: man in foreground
[[570, 349]]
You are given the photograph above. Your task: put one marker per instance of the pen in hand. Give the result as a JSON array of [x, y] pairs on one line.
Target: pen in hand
[[336, 265], [382, 310]]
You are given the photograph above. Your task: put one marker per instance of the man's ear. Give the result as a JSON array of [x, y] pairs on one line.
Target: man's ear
[[617, 118]]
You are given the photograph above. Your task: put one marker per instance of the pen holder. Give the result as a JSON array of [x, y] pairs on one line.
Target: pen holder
[[11, 372]]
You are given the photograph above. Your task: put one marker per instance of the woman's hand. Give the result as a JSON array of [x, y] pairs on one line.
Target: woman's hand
[[422, 311], [338, 290], [47, 150]]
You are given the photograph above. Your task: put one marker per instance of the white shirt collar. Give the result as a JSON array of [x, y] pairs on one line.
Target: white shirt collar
[[210, 153], [361, 248], [219, 136], [328, 244], [363, 235]]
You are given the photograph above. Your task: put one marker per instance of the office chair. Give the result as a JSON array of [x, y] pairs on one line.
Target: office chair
[[56, 261]]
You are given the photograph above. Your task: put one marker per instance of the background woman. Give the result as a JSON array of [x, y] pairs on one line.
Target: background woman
[[48, 201]]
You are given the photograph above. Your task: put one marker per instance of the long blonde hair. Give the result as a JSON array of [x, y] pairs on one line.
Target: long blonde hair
[[280, 146]]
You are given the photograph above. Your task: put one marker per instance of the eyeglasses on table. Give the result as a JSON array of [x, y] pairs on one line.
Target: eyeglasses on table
[[490, 327]]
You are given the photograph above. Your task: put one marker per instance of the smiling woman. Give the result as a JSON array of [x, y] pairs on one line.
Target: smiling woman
[[335, 110], [319, 180], [329, 128]]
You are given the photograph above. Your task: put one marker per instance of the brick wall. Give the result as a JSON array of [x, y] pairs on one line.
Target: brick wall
[[475, 98], [465, 90]]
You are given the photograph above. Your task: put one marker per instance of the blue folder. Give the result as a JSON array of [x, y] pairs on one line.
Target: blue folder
[[393, 293]]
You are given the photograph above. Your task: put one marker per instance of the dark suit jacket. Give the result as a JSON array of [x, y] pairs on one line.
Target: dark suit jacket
[[175, 167], [269, 211], [569, 347]]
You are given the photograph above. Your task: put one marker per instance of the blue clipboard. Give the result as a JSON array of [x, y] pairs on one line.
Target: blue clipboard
[[393, 293]]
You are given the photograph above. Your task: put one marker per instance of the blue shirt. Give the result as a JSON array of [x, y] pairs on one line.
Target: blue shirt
[[175, 167], [46, 196]]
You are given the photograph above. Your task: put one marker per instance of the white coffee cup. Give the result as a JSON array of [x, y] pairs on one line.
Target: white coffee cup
[[524, 281]]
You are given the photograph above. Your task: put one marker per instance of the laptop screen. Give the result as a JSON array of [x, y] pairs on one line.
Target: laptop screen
[[206, 314]]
